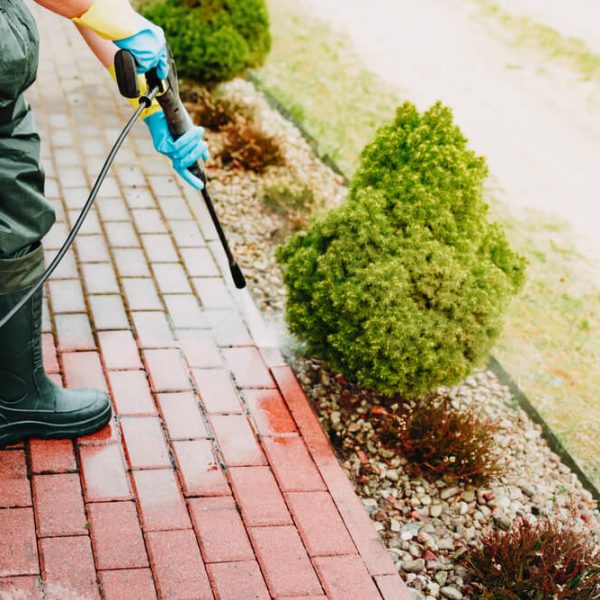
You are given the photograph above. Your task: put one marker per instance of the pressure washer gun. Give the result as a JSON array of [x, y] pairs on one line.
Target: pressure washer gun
[[167, 94]]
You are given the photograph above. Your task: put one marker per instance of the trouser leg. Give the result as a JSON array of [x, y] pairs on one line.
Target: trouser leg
[[25, 214]]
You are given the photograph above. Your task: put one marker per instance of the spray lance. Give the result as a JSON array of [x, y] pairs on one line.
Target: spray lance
[[167, 94]]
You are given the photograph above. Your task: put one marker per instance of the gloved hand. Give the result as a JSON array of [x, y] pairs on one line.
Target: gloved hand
[[117, 21], [183, 152]]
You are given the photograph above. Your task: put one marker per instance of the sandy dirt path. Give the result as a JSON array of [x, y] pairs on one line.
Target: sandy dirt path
[[537, 122]]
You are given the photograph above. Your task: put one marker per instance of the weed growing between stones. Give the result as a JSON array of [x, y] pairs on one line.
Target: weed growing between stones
[[536, 561], [293, 200]]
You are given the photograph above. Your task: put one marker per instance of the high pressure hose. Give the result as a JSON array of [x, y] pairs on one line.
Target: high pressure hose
[[145, 101]]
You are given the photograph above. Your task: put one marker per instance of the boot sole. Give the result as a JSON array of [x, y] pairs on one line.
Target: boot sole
[[21, 430]]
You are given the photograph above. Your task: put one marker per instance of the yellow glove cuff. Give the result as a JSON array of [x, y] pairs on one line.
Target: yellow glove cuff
[[110, 19], [153, 108]]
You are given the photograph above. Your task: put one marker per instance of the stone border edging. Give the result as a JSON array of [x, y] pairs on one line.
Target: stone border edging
[[555, 444]]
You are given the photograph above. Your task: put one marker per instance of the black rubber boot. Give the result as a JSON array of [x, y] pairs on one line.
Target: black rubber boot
[[31, 405]]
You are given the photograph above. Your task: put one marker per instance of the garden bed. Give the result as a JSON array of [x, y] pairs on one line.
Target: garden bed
[[428, 523]]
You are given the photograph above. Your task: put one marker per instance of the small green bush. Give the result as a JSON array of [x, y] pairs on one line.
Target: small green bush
[[213, 40], [291, 199], [404, 286]]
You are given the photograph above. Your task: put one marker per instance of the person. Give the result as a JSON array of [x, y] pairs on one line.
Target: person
[[31, 404]]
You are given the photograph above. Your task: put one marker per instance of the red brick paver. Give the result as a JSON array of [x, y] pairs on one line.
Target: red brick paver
[[214, 479]]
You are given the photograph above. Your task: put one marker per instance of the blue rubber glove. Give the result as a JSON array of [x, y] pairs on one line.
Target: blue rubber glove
[[183, 152], [148, 47]]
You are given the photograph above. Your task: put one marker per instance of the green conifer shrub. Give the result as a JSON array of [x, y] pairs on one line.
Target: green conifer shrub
[[403, 287], [213, 40]]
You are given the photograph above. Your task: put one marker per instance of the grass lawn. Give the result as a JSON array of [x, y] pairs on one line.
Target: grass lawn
[[548, 345]]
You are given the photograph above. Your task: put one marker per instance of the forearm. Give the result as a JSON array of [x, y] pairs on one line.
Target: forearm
[[103, 49], [66, 8]]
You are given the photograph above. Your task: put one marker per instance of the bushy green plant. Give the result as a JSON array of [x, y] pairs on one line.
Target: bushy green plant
[[404, 286], [213, 40]]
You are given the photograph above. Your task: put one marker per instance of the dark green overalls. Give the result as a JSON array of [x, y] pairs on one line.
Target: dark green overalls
[[25, 216], [30, 403]]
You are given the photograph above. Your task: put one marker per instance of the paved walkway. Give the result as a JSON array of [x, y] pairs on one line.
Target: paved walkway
[[215, 479]]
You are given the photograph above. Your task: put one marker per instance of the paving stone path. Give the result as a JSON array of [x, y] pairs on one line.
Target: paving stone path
[[215, 478]]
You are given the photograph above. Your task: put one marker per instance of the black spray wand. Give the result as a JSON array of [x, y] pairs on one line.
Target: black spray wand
[[178, 123]]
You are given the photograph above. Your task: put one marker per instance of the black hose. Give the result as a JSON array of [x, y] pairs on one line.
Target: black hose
[[145, 101]]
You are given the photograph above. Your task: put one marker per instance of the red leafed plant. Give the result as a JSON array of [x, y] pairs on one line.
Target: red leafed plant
[[536, 561], [439, 439], [248, 147]]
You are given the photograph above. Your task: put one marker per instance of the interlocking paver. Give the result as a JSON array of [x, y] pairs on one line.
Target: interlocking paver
[[131, 393], [167, 371], [237, 441], [177, 565], [200, 473], [52, 456], [269, 412], [83, 369], [213, 442], [161, 502], [141, 294], [159, 248], [59, 505], [153, 329], [119, 350], [319, 524], [182, 416], [148, 220], [284, 561], [18, 548], [68, 564], [144, 442], [220, 530], [213, 292], [103, 473], [116, 536], [14, 485], [184, 311], [217, 391], [74, 333], [108, 312], [21, 587], [292, 465], [126, 584], [92, 249], [346, 578], [199, 348], [131, 262], [235, 580], [248, 367], [66, 296], [259, 497]]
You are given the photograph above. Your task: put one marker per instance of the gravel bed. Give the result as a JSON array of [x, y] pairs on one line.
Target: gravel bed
[[427, 525]]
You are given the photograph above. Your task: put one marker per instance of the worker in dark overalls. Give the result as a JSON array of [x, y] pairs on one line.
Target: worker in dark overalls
[[31, 405]]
